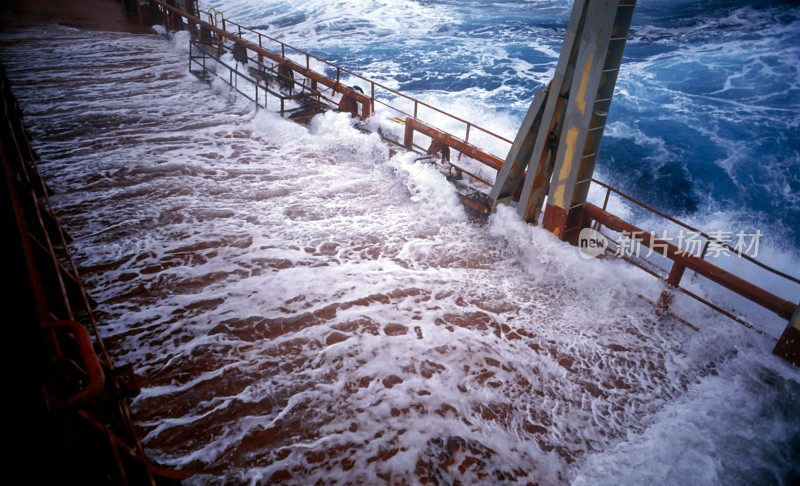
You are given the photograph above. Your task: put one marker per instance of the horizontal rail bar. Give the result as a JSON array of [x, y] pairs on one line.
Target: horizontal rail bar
[[467, 149], [769, 301], [701, 233], [298, 68]]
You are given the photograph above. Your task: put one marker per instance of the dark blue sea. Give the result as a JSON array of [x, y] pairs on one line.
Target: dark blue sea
[[706, 118]]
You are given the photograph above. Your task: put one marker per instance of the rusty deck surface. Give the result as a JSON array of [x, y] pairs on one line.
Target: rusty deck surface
[[107, 15], [298, 323], [266, 304]]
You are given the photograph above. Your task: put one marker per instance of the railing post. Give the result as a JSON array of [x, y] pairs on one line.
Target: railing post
[[788, 346], [408, 140], [466, 138], [605, 205], [366, 110], [372, 95], [705, 248], [416, 104], [675, 274], [673, 281]]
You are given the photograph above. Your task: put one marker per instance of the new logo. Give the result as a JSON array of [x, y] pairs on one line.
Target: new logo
[[591, 243]]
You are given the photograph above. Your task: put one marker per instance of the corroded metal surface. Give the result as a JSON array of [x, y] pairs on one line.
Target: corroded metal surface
[[82, 410]]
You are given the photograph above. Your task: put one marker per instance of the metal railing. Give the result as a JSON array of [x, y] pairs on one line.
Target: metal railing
[[374, 96], [233, 77], [375, 88], [709, 239], [698, 263], [56, 313]]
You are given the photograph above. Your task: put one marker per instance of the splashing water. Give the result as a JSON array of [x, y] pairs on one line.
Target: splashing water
[[306, 307]]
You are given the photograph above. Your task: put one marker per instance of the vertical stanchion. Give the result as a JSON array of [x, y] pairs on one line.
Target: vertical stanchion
[[788, 346]]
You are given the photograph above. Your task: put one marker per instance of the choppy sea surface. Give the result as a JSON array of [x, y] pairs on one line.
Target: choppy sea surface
[[306, 308], [706, 115]]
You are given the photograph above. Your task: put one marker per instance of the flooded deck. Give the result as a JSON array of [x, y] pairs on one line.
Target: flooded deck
[[304, 307]]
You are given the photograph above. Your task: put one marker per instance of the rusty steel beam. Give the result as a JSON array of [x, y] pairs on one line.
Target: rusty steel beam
[[779, 306], [598, 60], [542, 157], [412, 125], [513, 171], [345, 91]]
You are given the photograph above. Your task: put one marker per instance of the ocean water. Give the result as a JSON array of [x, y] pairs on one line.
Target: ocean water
[[305, 307], [705, 123], [706, 117]]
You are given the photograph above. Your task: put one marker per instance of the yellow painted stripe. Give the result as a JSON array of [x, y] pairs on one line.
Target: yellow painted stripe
[[563, 174], [580, 100]]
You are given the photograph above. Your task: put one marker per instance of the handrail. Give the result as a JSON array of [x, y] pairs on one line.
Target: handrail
[[695, 230], [463, 145], [302, 70], [702, 267], [372, 83], [91, 363]]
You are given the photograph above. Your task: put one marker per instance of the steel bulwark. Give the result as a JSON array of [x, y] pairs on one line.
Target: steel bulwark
[[71, 379]]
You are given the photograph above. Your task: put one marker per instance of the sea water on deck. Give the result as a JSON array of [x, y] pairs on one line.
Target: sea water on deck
[[304, 306]]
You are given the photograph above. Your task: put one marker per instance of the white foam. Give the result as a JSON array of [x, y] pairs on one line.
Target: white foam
[[295, 295]]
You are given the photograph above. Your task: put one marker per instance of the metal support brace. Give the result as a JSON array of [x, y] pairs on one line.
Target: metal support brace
[[579, 137], [530, 144], [513, 168], [560, 136]]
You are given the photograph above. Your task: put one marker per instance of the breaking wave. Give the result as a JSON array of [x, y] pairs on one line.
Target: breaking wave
[[305, 306]]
